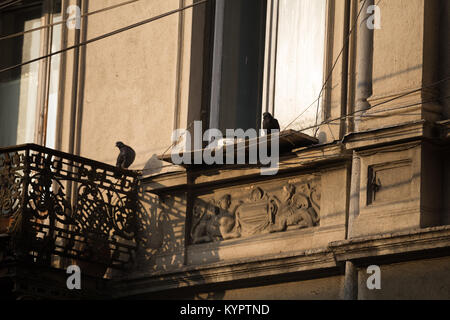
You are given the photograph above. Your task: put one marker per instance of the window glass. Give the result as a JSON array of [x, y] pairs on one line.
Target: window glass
[[54, 84], [242, 64], [300, 61], [19, 87], [23, 91]]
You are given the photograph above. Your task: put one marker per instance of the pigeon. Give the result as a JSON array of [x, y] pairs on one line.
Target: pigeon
[[270, 123], [126, 156]]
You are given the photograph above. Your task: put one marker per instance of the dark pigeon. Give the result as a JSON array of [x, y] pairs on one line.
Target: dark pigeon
[[270, 123], [126, 156]]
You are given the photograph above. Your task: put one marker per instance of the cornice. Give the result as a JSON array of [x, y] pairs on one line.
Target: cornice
[[416, 130], [323, 262], [400, 243], [319, 261], [211, 176]]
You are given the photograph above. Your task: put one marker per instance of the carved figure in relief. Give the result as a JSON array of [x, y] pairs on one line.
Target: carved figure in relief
[[214, 222], [254, 215], [227, 220], [294, 210], [204, 225]]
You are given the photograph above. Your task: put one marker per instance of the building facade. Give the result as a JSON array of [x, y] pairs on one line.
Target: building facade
[[361, 89]]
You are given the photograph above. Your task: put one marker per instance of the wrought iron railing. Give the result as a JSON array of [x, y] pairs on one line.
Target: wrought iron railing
[[58, 209]]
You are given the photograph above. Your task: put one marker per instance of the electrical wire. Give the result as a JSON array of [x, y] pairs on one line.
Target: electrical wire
[[330, 73], [204, 1], [340, 53], [335, 156], [106, 35], [381, 103], [324, 157], [82, 16], [178, 140], [9, 4], [351, 115], [334, 65]]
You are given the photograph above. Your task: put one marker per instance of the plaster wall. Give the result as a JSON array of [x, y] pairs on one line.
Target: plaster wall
[[320, 289], [421, 279], [131, 87]]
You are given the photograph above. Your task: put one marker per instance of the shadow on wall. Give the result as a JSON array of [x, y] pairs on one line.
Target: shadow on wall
[[153, 166], [150, 231], [444, 54], [162, 232]]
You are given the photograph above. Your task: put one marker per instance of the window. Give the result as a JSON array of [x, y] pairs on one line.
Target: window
[[267, 56], [299, 61], [238, 61], [29, 92]]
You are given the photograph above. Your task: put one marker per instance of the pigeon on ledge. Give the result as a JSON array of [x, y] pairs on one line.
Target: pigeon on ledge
[[126, 156], [270, 123]]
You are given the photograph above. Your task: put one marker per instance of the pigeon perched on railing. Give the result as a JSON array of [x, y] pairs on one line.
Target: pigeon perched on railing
[[270, 123], [126, 156]]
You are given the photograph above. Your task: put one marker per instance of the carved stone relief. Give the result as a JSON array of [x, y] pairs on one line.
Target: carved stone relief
[[253, 210]]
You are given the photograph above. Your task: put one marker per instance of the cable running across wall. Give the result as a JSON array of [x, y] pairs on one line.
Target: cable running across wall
[[82, 16], [104, 36]]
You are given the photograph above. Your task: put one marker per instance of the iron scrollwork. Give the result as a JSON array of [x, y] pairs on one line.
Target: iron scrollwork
[[60, 205], [10, 184]]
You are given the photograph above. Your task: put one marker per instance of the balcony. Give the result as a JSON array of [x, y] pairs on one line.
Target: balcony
[[58, 209]]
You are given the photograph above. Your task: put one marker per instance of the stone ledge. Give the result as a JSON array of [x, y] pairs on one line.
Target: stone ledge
[[321, 261], [392, 244], [265, 245], [415, 130], [223, 272], [445, 129], [298, 159], [30, 280]]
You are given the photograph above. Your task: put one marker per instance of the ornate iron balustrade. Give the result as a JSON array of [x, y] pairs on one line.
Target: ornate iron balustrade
[[58, 209]]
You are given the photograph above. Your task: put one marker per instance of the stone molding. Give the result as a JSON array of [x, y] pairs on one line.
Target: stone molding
[[205, 177], [419, 240], [324, 262], [320, 261], [390, 135]]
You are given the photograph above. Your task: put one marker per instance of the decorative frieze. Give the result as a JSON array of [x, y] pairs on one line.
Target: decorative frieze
[[254, 210]]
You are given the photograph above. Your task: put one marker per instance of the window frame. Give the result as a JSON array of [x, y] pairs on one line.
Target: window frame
[[44, 65], [210, 108]]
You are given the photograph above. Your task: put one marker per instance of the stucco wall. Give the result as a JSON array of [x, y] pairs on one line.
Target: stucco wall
[[130, 85], [421, 279], [323, 289], [130, 82]]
